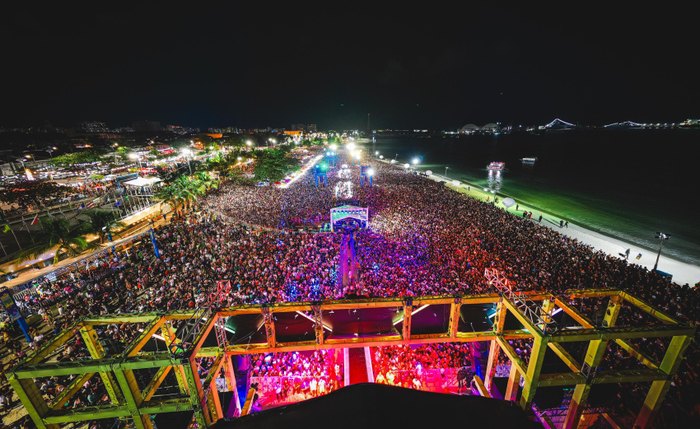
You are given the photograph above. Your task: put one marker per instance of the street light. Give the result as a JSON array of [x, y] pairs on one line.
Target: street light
[[446, 168], [187, 153], [51, 150], [662, 237], [248, 143], [415, 161]]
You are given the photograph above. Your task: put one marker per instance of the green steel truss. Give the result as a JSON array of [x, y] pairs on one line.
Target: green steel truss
[[131, 401]]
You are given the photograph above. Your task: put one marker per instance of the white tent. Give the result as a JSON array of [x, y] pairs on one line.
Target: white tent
[[143, 181]]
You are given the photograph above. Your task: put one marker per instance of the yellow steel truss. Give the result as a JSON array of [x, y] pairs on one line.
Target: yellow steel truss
[[128, 400]]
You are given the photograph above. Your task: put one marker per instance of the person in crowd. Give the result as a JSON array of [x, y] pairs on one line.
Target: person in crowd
[[423, 239]]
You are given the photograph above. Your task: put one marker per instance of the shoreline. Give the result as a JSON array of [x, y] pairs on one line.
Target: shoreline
[[586, 226], [682, 272]]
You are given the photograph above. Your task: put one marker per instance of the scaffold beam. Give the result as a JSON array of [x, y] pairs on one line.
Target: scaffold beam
[[202, 397]]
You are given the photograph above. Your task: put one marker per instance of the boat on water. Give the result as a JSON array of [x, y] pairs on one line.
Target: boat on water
[[496, 166], [529, 161]]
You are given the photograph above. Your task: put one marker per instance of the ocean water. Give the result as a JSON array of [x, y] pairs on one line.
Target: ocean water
[[624, 183]]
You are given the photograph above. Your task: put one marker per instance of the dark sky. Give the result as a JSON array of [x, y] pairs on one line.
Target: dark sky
[[436, 66]]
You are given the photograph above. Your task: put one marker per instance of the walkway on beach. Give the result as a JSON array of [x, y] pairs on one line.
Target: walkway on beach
[[682, 272]]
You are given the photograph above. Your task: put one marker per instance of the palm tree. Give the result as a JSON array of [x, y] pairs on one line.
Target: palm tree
[[103, 222], [7, 228], [205, 183], [65, 237], [189, 189], [180, 192], [168, 195]]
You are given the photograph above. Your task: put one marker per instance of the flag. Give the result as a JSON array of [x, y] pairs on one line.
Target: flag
[[91, 204], [6, 228], [36, 219]]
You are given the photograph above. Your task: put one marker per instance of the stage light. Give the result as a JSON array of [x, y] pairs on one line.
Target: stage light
[[370, 172], [230, 325], [415, 161]]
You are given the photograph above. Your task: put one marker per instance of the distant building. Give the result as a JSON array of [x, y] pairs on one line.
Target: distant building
[[469, 129], [92, 127], [146, 126], [298, 127], [311, 128], [490, 128], [690, 123], [176, 129]]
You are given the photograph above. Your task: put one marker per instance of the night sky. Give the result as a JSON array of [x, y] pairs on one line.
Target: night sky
[[416, 68]]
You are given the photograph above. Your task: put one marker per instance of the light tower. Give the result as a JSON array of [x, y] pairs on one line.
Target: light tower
[[662, 237]]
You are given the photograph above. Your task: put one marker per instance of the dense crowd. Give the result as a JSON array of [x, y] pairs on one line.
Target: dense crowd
[[410, 366], [27, 197], [285, 377], [424, 239]]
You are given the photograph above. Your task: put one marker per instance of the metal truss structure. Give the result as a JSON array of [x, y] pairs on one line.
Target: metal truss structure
[[132, 397]]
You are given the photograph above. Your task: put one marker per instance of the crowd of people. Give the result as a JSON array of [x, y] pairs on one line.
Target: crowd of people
[[424, 239], [424, 367], [295, 376], [27, 197]]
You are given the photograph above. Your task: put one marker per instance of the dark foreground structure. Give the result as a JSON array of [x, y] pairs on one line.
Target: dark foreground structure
[[370, 406], [145, 379]]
